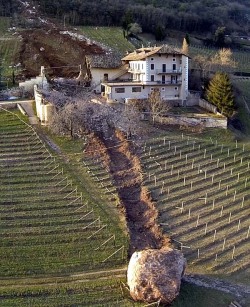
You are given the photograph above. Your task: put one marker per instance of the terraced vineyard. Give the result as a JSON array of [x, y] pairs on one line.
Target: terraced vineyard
[[202, 193], [241, 58], [244, 87], [9, 48], [49, 232], [109, 36]]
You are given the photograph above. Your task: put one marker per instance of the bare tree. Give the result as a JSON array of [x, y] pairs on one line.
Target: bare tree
[[185, 47], [223, 60], [157, 106], [84, 115], [127, 119], [203, 64]]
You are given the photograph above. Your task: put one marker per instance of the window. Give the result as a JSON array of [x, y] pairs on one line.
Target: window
[[164, 67], [174, 66], [152, 78], [152, 59], [151, 89], [152, 66], [163, 89], [176, 88], [136, 89], [174, 59], [120, 90], [106, 77]]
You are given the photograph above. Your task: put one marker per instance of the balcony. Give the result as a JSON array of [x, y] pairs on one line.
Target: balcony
[[178, 82], [168, 71], [138, 82]]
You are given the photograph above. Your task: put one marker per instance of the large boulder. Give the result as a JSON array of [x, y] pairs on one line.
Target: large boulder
[[155, 275]]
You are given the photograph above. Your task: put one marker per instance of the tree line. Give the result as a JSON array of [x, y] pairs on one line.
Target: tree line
[[154, 15]]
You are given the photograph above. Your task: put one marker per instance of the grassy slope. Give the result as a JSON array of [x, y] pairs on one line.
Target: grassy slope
[[9, 47], [190, 295], [53, 289], [109, 36], [182, 228]]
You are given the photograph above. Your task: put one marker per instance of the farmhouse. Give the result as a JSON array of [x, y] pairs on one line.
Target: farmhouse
[[163, 68], [105, 67]]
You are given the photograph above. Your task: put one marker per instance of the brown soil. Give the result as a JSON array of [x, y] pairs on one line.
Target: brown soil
[[49, 48], [44, 45], [141, 215]]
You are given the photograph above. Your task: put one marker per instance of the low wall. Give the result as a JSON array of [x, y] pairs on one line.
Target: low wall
[[8, 105], [44, 109], [195, 100], [206, 122], [207, 106], [21, 109]]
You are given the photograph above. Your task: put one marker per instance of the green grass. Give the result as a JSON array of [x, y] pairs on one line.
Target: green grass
[[243, 102], [4, 25], [35, 232], [9, 49], [92, 177], [243, 85], [193, 182], [109, 36], [194, 296], [55, 241], [107, 292], [50, 230]]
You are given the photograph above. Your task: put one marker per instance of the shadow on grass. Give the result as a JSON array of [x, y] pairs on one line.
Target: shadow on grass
[[194, 296]]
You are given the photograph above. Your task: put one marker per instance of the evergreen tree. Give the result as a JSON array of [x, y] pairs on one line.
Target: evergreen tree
[[127, 21], [159, 32], [187, 38], [219, 36], [220, 93]]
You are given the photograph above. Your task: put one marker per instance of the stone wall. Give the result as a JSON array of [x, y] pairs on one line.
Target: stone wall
[[207, 106], [204, 121], [40, 80], [44, 109], [195, 100], [8, 105]]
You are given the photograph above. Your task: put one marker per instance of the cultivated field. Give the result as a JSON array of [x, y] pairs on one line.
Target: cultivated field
[[4, 25], [9, 49], [243, 84], [51, 236], [241, 58], [54, 247], [201, 189], [109, 36]]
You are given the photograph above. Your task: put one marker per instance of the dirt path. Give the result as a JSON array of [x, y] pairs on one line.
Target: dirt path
[[141, 214]]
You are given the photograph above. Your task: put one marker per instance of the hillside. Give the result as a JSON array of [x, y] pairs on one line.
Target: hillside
[[185, 15]]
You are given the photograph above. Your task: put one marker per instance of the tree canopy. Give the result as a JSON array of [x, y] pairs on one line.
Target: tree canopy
[[220, 93], [151, 15]]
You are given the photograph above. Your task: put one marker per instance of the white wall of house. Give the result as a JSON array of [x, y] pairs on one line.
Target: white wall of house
[[28, 85], [120, 92], [184, 88], [167, 72], [98, 75], [157, 63], [131, 91], [40, 80]]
